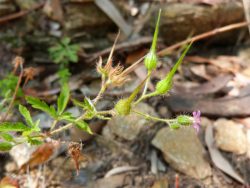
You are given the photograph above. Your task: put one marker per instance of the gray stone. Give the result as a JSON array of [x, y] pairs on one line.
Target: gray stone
[[128, 127], [230, 136], [183, 151]]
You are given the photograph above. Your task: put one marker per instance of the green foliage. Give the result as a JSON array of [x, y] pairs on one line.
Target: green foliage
[[64, 52], [13, 127], [41, 105], [7, 88], [26, 114], [5, 146], [83, 126], [6, 136], [63, 99]]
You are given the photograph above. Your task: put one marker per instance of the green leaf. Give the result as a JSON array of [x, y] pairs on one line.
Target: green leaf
[[78, 103], [5, 146], [63, 99], [153, 47], [65, 41], [84, 126], [174, 69], [17, 127], [35, 141], [67, 116], [88, 105], [26, 114], [41, 105], [7, 137]]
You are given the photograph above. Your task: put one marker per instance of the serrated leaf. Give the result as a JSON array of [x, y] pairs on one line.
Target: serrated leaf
[[5, 146], [35, 141], [17, 127], [63, 99], [7, 137], [67, 116], [26, 114], [89, 105], [84, 126], [65, 41], [78, 103], [173, 70], [36, 126], [41, 105]]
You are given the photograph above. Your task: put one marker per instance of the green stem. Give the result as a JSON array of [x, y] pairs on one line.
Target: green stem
[[153, 118], [53, 124], [145, 97], [106, 112], [102, 90], [67, 126], [145, 88]]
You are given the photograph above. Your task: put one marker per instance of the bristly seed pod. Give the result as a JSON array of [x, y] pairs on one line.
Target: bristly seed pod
[[163, 86], [151, 58], [123, 106], [185, 120]]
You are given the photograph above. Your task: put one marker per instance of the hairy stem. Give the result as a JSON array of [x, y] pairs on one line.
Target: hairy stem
[[153, 118], [53, 124], [15, 93]]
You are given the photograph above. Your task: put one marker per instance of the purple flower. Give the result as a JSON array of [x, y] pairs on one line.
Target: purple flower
[[197, 120]]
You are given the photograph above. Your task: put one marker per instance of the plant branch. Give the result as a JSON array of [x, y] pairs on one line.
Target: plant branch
[[153, 118], [15, 92]]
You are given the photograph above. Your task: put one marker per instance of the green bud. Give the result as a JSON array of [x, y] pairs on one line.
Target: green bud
[[123, 107], [150, 61], [151, 58], [163, 86], [174, 125], [184, 120]]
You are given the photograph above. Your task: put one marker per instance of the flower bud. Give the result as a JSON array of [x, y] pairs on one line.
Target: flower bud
[[151, 58], [123, 107], [163, 86], [184, 120], [174, 125], [150, 61]]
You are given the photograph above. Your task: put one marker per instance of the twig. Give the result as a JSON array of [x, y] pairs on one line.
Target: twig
[[15, 92], [216, 31], [123, 45], [19, 14]]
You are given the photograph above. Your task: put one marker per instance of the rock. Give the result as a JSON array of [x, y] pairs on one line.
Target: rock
[[230, 136], [129, 127], [183, 151], [248, 143], [21, 153], [161, 183]]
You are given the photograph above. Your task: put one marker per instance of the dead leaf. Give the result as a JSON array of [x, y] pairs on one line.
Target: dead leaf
[[200, 70], [8, 182], [42, 154], [235, 106], [212, 86], [114, 14], [217, 158], [53, 9]]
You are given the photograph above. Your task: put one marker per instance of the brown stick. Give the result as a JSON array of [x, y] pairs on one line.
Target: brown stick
[[216, 31], [15, 93], [19, 14]]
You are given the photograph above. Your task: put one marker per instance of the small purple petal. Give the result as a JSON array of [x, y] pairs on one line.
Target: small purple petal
[[197, 120]]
